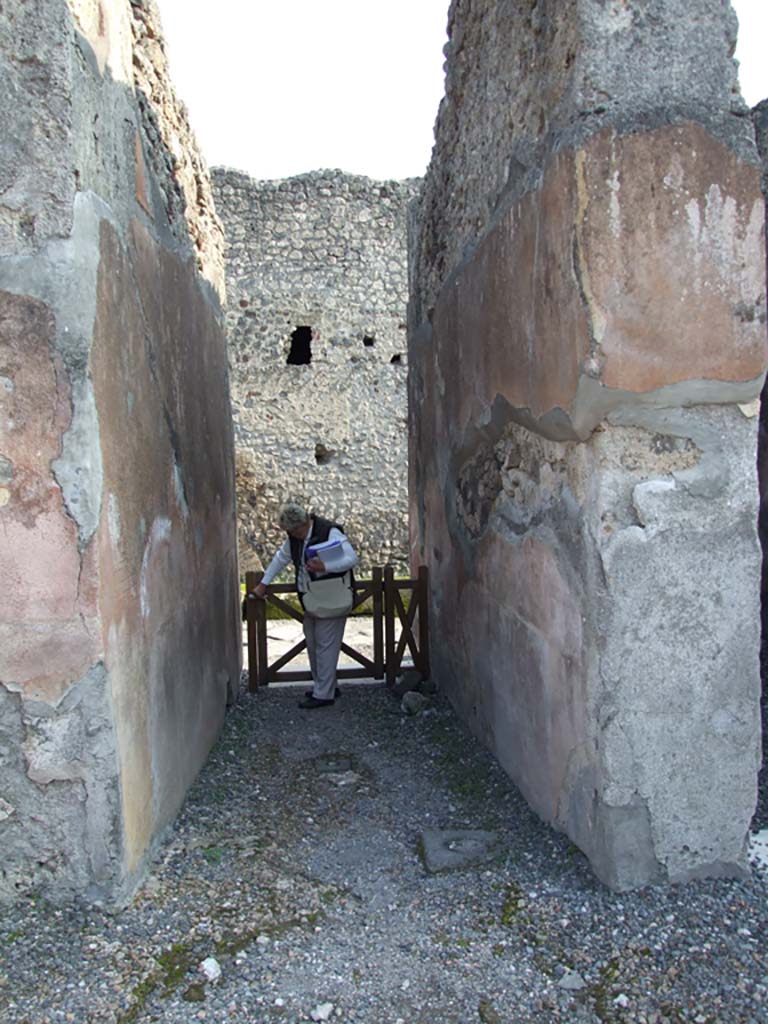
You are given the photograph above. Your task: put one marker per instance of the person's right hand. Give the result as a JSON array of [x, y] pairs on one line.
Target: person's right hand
[[260, 590]]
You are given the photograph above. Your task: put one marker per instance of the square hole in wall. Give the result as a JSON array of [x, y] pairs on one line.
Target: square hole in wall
[[301, 347], [323, 455]]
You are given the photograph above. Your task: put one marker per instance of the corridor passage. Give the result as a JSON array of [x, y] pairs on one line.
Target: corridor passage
[[300, 869]]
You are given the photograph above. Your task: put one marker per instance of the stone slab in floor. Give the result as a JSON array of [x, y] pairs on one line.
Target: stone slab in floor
[[453, 849]]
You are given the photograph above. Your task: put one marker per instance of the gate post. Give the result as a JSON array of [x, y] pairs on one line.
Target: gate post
[[389, 624], [262, 660], [378, 622], [251, 582]]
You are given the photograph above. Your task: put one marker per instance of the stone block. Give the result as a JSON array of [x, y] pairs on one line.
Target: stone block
[[454, 849]]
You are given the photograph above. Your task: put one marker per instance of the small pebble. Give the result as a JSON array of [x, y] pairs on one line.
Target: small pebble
[[322, 1012], [211, 968]]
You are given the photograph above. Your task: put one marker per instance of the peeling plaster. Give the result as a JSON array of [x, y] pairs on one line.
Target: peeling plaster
[[63, 275], [113, 521], [159, 536], [750, 409], [60, 820], [595, 315], [79, 470]]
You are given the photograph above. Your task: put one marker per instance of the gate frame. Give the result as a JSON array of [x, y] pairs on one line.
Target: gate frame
[[388, 650]]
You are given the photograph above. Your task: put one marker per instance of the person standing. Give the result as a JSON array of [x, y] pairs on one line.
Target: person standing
[[323, 635]]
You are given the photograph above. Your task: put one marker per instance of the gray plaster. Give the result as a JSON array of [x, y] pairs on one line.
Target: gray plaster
[[79, 469], [678, 623], [594, 403], [63, 275], [59, 774]]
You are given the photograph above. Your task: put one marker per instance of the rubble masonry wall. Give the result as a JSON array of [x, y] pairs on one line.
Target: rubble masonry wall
[[327, 251]]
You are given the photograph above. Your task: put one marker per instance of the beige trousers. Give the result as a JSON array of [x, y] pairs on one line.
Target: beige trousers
[[324, 637]]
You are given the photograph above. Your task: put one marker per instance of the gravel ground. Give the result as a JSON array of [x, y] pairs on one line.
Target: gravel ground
[[296, 864]]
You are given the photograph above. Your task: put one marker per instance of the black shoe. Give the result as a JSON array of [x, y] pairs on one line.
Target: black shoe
[[337, 694], [314, 702]]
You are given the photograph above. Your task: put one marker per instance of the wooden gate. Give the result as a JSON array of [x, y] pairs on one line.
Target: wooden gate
[[390, 611]]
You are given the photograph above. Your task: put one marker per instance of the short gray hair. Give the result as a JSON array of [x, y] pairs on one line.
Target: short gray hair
[[292, 516]]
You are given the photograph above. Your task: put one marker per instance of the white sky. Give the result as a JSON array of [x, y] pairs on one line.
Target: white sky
[[277, 89]]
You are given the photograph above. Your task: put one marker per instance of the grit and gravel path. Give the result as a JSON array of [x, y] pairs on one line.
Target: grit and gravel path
[[296, 865]]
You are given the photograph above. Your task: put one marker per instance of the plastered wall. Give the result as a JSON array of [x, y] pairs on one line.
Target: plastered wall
[[587, 344], [119, 633]]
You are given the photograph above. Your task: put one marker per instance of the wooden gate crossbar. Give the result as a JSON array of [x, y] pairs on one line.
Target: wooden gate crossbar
[[389, 611]]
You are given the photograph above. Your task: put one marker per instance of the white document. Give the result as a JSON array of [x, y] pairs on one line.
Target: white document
[[330, 553]]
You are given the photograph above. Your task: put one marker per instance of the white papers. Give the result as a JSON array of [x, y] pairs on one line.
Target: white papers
[[330, 553]]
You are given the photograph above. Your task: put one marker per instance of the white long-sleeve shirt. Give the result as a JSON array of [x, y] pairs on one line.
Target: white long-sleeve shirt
[[282, 558]]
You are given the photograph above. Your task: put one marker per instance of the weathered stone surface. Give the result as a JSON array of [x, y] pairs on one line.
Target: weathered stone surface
[[326, 251], [36, 184], [637, 260], [159, 368], [525, 81], [59, 775], [119, 633], [587, 338], [48, 631]]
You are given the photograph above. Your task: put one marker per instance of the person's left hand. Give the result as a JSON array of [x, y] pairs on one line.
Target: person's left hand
[[315, 565]]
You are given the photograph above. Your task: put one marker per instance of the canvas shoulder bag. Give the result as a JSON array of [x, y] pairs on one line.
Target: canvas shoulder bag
[[329, 598]]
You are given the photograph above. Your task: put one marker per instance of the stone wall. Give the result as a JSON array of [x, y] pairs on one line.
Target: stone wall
[[119, 633], [587, 343], [324, 251]]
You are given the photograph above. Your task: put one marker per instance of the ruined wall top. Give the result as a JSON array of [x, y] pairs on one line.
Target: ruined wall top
[[326, 224], [127, 40], [523, 80]]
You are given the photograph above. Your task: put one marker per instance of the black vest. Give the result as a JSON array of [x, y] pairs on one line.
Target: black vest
[[320, 530]]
